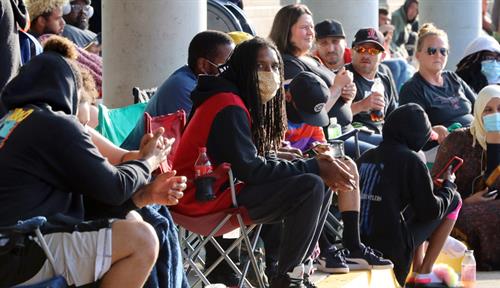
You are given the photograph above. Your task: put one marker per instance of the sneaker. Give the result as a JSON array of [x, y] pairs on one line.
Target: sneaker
[[410, 282], [333, 261], [308, 283], [428, 280], [367, 258], [291, 279]]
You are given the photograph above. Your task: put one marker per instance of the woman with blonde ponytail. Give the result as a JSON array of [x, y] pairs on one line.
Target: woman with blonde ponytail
[[445, 97], [479, 146]]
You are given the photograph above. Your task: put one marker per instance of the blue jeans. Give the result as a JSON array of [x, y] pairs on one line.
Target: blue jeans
[[366, 141]]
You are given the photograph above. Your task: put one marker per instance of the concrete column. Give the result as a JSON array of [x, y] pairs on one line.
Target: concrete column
[[144, 41], [353, 14], [461, 19], [260, 14]]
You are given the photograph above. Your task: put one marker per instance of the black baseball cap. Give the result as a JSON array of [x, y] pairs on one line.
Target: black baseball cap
[[310, 93], [329, 27], [369, 35]]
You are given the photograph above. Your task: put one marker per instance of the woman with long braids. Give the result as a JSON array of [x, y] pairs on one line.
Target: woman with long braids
[[239, 117]]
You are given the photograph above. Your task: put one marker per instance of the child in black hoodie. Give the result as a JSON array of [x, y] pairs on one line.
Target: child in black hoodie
[[400, 207]]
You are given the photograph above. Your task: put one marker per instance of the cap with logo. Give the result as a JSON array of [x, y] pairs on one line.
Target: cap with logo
[[309, 93], [328, 28], [369, 35]]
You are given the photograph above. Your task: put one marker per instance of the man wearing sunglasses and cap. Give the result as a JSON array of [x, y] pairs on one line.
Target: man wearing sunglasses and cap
[[376, 94]]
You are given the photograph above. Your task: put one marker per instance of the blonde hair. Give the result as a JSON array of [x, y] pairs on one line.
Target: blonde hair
[[477, 127], [428, 29], [38, 7]]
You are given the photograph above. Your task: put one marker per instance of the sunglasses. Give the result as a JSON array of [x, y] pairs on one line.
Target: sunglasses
[[77, 8], [491, 57], [372, 51], [431, 51]]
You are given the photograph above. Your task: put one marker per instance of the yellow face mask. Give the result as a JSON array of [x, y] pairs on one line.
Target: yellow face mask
[[269, 83]]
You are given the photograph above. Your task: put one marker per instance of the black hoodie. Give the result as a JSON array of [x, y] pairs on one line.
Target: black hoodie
[[47, 160], [230, 139], [394, 178]]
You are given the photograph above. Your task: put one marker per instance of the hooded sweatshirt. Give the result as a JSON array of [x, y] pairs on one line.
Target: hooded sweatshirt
[[394, 178], [47, 160], [223, 127]]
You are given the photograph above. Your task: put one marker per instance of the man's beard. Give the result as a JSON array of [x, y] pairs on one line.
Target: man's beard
[[80, 23]]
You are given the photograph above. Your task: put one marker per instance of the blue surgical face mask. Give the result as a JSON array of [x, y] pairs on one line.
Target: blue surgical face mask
[[491, 70], [492, 122]]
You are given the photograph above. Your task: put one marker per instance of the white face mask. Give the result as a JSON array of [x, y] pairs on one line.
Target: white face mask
[[269, 83]]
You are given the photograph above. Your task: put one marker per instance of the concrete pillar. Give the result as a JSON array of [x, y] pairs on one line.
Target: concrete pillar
[[144, 41], [353, 14], [461, 19], [260, 14]]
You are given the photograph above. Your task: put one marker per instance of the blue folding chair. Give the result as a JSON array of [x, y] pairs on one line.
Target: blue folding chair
[[12, 237]]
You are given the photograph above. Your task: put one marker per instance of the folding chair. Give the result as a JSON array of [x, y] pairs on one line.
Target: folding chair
[[204, 228], [116, 124], [12, 237], [142, 95], [173, 124]]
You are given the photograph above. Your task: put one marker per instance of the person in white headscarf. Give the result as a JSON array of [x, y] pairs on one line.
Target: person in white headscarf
[[479, 147]]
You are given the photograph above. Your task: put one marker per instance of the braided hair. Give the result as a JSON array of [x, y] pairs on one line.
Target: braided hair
[[268, 121], [469, 69]]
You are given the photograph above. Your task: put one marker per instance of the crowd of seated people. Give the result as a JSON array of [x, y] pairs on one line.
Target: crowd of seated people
[[245, 102]]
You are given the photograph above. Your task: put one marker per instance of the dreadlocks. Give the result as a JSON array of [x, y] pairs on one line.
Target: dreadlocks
[[469, 69], [268, 120]]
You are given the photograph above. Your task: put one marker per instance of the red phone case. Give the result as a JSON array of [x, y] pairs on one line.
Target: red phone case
[[456, 161]]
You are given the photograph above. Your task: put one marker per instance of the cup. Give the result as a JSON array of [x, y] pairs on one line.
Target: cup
[[337, 148]]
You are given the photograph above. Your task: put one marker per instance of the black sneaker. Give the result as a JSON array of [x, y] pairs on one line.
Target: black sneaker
[[308, 283], [367, 258], [333, 261], [293, 279]]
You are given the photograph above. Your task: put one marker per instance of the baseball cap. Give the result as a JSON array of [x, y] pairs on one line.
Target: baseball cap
[[329, 27], [310, 93], [369, 35]]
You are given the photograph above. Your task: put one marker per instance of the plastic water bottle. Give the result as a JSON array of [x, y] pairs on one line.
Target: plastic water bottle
[[203, 182], [454, 248], [202, 166], [378, 86], [334, 129], [468, 273]]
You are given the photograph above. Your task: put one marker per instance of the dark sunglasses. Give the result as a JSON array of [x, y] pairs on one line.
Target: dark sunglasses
[[371, 51], [432, 51]]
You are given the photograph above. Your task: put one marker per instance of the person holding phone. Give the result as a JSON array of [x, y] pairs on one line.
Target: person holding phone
[[479, 147], [399, 203]]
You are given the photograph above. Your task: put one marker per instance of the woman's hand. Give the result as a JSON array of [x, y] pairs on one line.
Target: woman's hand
[[154, 148], [348, 92], [441, 131], [478, 197], [343, 78]]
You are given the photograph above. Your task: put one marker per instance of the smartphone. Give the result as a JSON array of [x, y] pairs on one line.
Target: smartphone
[[488, 193], [455, 162]]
